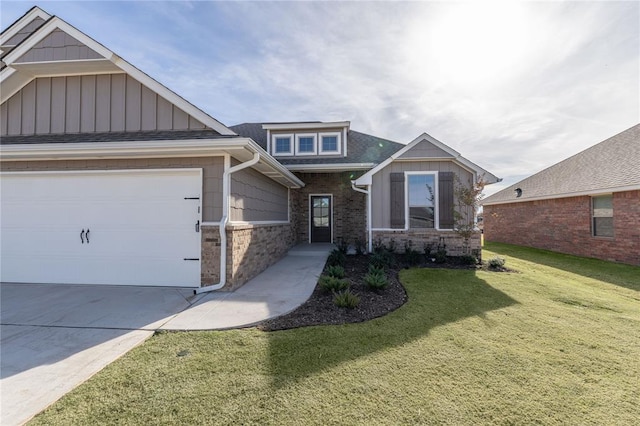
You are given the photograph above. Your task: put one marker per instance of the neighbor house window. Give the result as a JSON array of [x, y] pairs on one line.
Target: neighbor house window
[[282, 145], [603, 216], [306, 144], [421, 200], [330, 143]]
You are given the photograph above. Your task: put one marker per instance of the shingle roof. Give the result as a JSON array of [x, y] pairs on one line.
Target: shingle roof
[[111, 137], [607, 166], [362, 148]]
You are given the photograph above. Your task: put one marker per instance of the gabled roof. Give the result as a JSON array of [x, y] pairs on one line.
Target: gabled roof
[[363, 149], [15, 75], [455, 156], [610, 166]]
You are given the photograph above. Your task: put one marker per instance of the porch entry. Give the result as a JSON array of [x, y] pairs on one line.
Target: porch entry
[[320, 218]]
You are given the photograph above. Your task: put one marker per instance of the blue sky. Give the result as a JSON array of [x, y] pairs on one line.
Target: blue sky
[[514, 87]]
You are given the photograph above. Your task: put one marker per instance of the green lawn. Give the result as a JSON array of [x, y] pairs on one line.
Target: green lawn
[[556, 343]]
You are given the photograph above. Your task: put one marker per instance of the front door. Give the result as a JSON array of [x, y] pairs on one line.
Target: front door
[[320, 218]]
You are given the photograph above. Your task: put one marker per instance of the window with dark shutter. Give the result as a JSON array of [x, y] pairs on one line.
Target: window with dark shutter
[[397, 200], [445, 199]]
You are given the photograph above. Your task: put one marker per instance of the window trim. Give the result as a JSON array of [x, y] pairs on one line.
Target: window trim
[[436, 204], [306, 135], [593, 217], [338, 136], [275, 137]]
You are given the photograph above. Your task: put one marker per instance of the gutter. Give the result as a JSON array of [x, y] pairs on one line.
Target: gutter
[[367, 192], [226, 192]]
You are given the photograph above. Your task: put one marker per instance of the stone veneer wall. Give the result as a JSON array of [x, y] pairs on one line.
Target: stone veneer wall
[[349, 206], [564, 225], [418, 238], [253, 248]]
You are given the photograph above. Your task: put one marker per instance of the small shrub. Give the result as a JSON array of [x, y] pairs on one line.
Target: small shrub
[[343, 246], [467, 259], [428, 247], [376, 280], [332, 284], [335, 271], [336, 257], [441, 256], [497, 262], [359, 246], [378, 246], [391, 248], [375, 270], [382, 260], [411, 256], [346, 299]]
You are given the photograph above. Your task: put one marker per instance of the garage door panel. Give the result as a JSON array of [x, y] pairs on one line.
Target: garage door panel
[[141, 228]]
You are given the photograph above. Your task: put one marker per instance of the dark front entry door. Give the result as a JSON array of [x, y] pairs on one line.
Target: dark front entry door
[[320, 219]]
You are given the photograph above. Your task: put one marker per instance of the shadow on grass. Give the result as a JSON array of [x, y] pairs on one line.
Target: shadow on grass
[[619, 274], [435, 297]]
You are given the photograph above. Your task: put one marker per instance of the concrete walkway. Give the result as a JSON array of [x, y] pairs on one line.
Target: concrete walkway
[[276, 291], [54, 337]]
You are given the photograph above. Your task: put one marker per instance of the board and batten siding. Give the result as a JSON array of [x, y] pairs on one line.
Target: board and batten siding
[[381, 186], [256, 198], [58, 46], [90, 103], [212, 170]]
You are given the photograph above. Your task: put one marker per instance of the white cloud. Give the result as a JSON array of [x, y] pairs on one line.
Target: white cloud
[[513, 86]]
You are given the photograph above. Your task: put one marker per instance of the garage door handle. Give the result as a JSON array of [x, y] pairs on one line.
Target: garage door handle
[[198, 226], [87, 235], [82, 236]]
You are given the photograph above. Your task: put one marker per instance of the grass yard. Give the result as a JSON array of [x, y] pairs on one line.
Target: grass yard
[[556, 343]]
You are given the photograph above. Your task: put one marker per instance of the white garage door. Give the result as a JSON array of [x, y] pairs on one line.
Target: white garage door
[[125, 227]]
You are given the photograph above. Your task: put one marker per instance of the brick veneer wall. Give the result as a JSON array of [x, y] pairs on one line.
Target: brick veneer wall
[[349, 206], [564, 225], [418, 238], [210, 255], [253, 248], [250, 250]]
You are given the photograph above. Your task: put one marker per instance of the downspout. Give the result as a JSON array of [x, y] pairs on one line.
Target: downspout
[[226, 192], [367, 192]]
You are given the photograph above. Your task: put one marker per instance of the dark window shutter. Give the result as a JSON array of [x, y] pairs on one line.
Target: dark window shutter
[[445, 199], [397, 200]]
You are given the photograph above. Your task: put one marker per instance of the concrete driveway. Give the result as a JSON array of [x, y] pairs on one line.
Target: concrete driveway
[[54, 337]]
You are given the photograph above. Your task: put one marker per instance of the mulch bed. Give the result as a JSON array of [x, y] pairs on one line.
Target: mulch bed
[[319, 309]]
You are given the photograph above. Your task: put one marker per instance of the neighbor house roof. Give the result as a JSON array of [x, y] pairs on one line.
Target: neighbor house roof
[[609, 166], [362, 148]]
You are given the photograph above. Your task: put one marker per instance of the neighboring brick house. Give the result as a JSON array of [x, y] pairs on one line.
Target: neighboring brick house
[[587, 205], [108, 177]]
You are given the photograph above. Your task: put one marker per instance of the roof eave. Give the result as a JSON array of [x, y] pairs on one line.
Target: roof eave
[[590, 192], [241, 148]]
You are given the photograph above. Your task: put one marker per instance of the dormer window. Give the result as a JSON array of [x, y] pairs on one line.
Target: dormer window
[[306, 144], [282, 145], [330, 143]]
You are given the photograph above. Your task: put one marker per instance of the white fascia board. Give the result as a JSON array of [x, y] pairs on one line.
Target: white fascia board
[[329, 167], [46, 29], [305, 126], [367, 178], [593, 192], [144, 149], [15, 28], [57, 23]]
